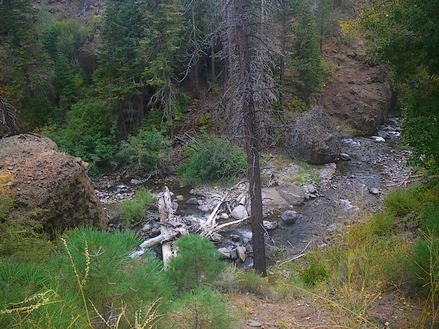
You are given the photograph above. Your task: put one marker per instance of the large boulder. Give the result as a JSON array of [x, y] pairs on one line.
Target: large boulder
[[293, 193], [313, 138], [41, 177]]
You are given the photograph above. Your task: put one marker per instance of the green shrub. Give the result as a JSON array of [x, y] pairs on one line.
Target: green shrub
[[89, 132], [315, 273], [135, 208], [90, 281], [146, 151], [430, 219], [19, 280], [200, 308], [212, 159], [400, 202], [425, 263], [253, 282], [197, 262]]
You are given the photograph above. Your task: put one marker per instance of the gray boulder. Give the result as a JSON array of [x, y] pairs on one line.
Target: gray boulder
[[239, 212], [295, 195], [289, 217], [313, 138]]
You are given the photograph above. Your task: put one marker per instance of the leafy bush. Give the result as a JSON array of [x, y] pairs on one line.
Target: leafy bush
[[429, 219], [146, 151], [135, 208], [197, 262], [212, 159], [200, 308], [89, 132]]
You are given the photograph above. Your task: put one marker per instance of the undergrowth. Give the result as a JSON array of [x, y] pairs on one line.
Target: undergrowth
[[91, 282], [377, 255], [135, 208], [212, 159]]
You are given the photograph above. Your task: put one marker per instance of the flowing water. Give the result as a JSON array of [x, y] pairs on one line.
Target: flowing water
[[353, 188]]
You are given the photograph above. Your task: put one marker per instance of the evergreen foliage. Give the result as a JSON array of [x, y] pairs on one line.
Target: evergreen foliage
[[200, 308], [197, 262], [23, 63], [213, 159], [134, 209], [145, 151], [86, 282], [89, 132], [405, 34], [303, 54]]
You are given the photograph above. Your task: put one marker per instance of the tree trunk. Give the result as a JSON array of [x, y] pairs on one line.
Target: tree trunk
[[282, 50], [251, 142]]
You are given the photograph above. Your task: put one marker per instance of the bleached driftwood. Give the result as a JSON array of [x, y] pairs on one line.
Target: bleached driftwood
[[171, 227], [209, 225], [164, 203]]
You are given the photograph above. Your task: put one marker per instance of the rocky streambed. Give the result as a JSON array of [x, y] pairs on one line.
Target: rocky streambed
[[303, 205]]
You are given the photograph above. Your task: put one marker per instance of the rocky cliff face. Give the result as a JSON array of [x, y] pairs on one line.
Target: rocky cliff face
[[358, 95], [44, 178]]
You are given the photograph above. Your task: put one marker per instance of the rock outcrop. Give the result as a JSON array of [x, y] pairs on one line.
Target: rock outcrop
[[44, 178], [358, 95], [313, 138]]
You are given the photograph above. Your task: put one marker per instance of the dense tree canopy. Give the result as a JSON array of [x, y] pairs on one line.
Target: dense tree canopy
[[156, 56]]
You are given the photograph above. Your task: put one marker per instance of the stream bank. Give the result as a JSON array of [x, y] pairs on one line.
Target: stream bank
[[336, 194]]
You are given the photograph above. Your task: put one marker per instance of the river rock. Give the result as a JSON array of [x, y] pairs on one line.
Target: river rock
[[216, 238], [313, 138], [135, 181], [224, 252], [204, 208], [270, 225], [294, 194], [240, 250], [193, 201], [234, 237], [44, 178], [344, 157], [223, 215], [310, 188], [289, 217], [374, 191], [378, 139], [239, 212], [254, 323]]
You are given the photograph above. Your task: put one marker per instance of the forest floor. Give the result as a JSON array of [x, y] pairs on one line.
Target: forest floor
[[391, 310]]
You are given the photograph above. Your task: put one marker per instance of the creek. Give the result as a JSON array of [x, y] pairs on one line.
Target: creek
[[344, 191]]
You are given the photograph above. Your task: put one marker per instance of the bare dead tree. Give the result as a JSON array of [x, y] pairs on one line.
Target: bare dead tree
[[9, 119], [249, 94]]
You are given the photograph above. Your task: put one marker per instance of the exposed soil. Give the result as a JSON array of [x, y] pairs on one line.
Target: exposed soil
[[308, 311]]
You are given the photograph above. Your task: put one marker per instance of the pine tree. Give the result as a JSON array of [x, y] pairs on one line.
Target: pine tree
[[302, 53], [24, 65]]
